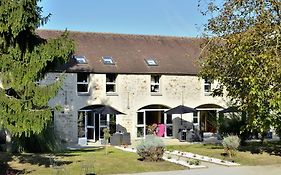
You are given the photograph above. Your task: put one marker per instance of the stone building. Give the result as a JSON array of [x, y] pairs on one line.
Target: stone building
[[141, 76]]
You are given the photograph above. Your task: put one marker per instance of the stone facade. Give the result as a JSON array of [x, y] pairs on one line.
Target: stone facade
[[133, 93]]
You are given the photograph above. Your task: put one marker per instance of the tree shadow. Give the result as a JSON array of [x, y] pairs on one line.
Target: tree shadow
[[272, 148], [82, 150], [44, 159], [5, 167], [41, 159]]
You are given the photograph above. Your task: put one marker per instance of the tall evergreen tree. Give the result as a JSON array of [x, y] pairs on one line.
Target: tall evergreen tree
[[243, 53], [25, 59]]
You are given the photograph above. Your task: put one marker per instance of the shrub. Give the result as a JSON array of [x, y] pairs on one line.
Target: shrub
[[151, 148], [193, 162], [106, 135], [230, 144]]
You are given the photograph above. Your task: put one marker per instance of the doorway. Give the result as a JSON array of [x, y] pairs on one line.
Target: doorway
[[154, 114], [91, 125], [208, 121]]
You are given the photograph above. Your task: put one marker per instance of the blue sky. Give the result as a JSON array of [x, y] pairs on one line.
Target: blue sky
[[152, 17]]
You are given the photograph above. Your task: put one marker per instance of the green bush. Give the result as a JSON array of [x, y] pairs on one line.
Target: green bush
[[151, 148], [231, 144], [232, 124]]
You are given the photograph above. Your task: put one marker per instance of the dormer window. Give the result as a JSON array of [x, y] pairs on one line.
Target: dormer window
[[80, 59], [107, 60], [151, 62]]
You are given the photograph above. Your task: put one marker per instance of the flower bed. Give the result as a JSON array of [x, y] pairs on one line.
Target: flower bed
[[183, 161], [201, 158], [182, 158]]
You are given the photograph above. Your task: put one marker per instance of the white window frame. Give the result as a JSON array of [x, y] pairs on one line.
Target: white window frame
[[207, 83], [83, 83], [111, 83], [195, 116], [168, 125], [107, 60], [151, 62], [141, 125], [102, 126], [80, 59], [154, 84]]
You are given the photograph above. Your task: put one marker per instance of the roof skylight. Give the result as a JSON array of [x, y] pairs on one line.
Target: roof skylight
[[151, 62], [80, 59], [107, 60]]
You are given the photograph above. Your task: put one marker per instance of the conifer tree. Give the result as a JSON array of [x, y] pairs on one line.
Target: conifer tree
[[25, 59]]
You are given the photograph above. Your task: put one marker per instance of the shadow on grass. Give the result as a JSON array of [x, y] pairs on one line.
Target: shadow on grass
[[5, 168], [38, 159], [272, 148], [84, 150]]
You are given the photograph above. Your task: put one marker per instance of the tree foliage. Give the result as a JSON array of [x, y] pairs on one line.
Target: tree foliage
[[242, 51], [25, 59]]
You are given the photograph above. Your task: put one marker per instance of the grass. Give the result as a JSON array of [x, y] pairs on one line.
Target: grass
[[115, 162], [268, 154]]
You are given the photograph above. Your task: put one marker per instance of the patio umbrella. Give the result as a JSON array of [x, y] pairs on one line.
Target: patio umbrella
[[106, 109], [181, 110], [230, 109]]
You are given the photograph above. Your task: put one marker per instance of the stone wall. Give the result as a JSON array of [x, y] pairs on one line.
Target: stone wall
[[133, 93]]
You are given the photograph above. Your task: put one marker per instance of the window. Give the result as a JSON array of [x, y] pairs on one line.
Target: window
[[80, 59], [155, 84], [103, 124], [111, 83], [195, 117], [81, 124], [207, 86], [112, 123], [169, 126], [107, 60], [151, 62], [83, 83], [140, 118], [140, 125]]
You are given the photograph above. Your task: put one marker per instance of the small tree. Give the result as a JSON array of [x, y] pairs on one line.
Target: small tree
[[106, 135], [231, 144]]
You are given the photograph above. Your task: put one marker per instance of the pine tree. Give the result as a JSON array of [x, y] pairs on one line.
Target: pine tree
[[25, 59]]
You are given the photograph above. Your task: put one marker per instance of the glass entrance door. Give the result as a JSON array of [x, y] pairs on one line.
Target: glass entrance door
[[86, 125], [90, 125], [169, 125], [103, 123]]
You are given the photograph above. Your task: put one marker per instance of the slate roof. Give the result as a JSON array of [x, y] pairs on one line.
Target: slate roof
[[174, 55]]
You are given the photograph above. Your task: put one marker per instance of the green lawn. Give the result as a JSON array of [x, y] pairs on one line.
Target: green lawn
[[116, 161], [247, 155]]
